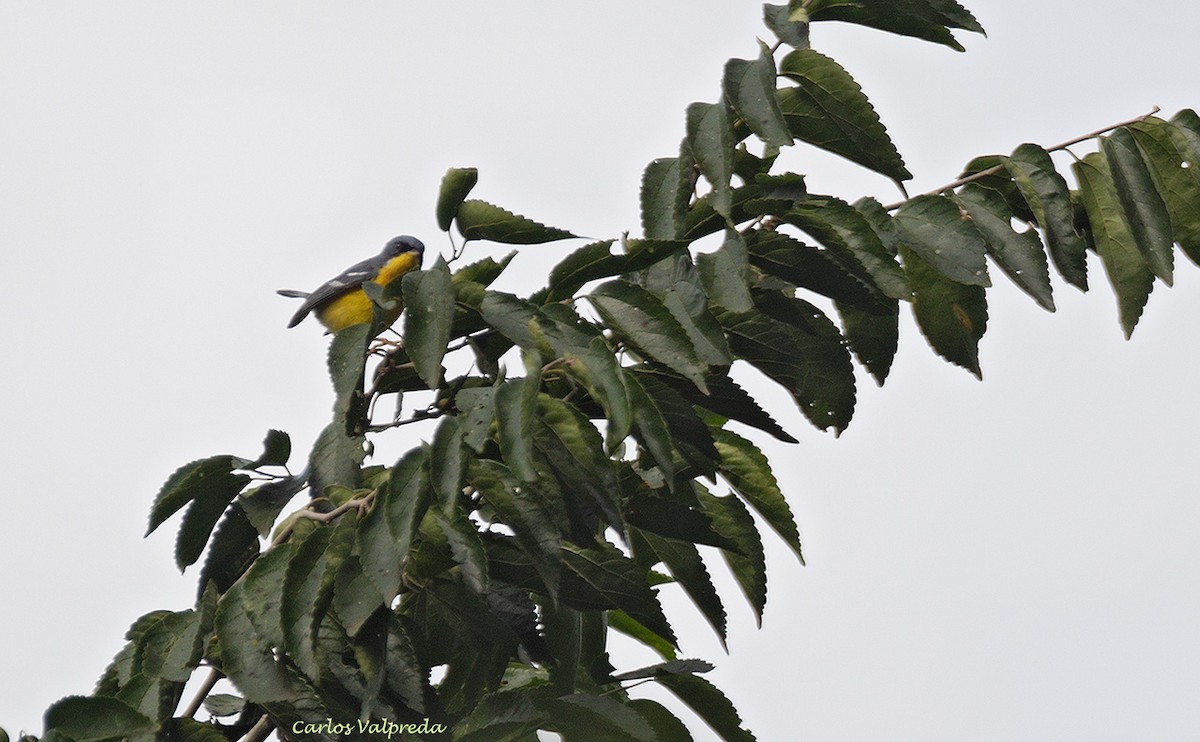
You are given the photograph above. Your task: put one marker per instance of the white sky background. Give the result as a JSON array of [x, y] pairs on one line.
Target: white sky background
[[1015, 559]]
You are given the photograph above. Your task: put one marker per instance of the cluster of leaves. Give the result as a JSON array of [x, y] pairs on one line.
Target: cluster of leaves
[[475, 581]]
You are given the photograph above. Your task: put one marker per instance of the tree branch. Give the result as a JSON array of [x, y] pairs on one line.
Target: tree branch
[[1056, 148], [358, 503], [198, 700], [260, 730]]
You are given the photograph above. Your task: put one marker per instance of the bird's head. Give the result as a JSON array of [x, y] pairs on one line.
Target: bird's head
[[402, 244]]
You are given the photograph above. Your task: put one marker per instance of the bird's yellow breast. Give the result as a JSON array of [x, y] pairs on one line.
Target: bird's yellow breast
[[355, 307]]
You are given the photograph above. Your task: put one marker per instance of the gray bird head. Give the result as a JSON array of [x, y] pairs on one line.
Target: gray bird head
[[402, 244]]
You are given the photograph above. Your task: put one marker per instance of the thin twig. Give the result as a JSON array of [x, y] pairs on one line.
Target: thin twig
[[997, 168], [359, 503], [259, 731], [198, 700], [418, 416]]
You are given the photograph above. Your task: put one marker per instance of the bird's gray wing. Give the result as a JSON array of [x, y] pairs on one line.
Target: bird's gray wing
[[348, 280]]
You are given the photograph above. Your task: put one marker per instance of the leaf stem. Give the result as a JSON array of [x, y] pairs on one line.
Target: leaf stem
[[997, 168]]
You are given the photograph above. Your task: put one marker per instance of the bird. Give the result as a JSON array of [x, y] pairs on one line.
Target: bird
[[341, 302]]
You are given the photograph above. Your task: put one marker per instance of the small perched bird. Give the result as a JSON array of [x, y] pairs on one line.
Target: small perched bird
[[341, 302]]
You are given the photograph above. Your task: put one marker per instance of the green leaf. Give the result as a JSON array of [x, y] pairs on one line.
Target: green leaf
[[1127, 272], [683, 559], [190, 730], [663, 199], [308, 590], [882, 223], [224, 704], [1186, 130], [792, 32], [307, 594], [572, 447], [147, 695], [833, 271], [594, 261], [934, 228], [84, 719], [620, 581], [828, 109], [124, 664], [405, 677], [447, 464], [477, 411], [650, 428], [1048, 197], [524, 510], [733, 521], [689, 303], [750, 89], [388, 530], [710, 138], [234, 548], [688, 433], [506, 716], [844, 229], [726, 399], [1186, 135], [202, 516], [263, 504], [172, 646], [747, 202], [456, 184], [749, 473], [479, 220], [356, 598], [672, 667], [262, 591], [667, 728], [642, 320], [482, 272], [346, 361], [587, 263], [591, 718], [872, 337], [199, 479], [993, 171], [726, 275], [1019, 254], [588, 359], [952, 316], [467, 549], [381, 557], [671, 516], [1178, 185], [246, 658], [429, 298], [1145, 212], [277, 448], [511, 316], [622, 622], [930, 20], [710, 704], [336, 460], [515, 407], [798, 347]]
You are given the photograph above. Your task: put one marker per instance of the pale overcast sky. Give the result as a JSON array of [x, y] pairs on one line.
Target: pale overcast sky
[[1012, 559]]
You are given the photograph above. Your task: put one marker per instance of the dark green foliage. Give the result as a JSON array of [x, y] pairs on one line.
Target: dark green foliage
[[505, 548]]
